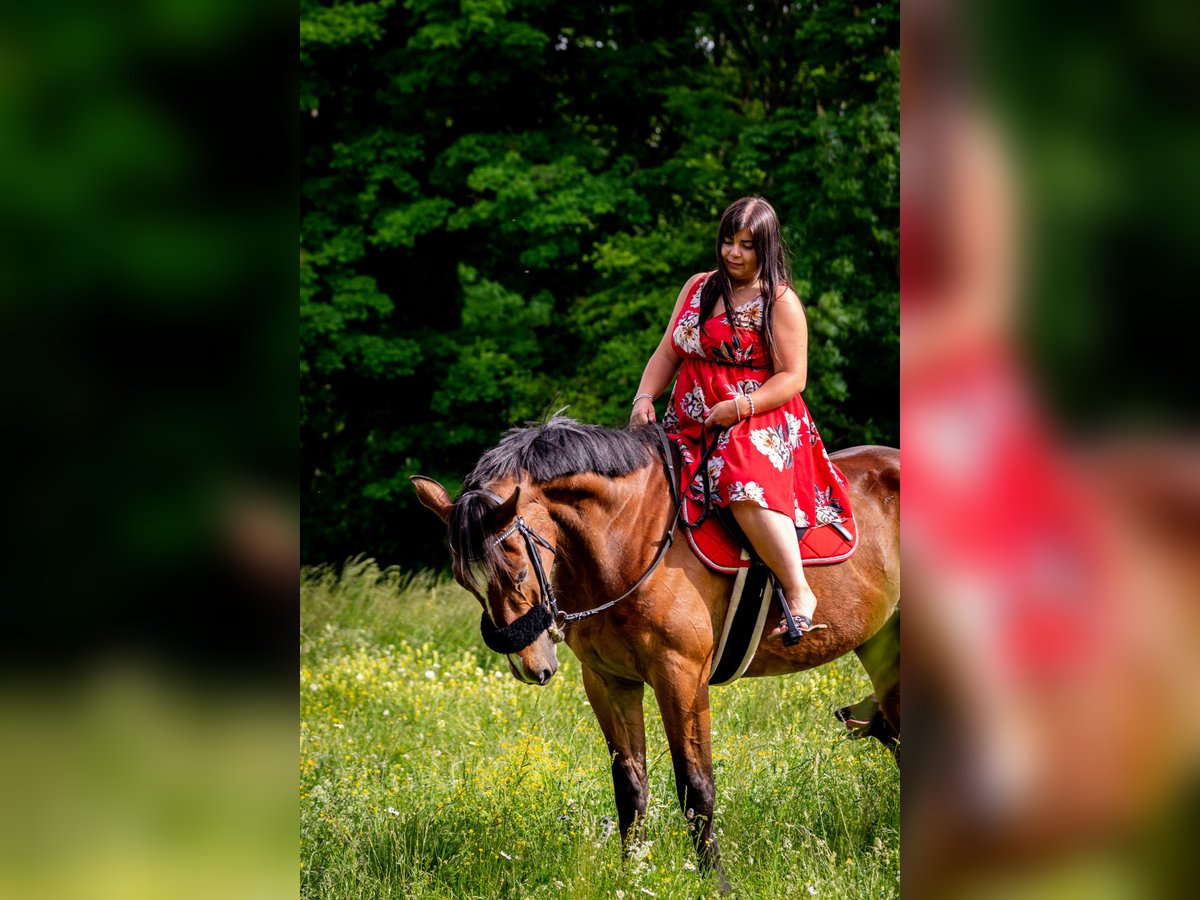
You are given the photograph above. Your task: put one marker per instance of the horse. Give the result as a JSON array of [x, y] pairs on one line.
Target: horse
[[595, 507]]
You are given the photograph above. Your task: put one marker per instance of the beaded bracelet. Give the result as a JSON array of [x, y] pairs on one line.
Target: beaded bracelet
[[751, 399], [638, 397]]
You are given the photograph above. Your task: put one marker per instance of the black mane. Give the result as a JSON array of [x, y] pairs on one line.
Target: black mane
[[543, 452], [560, 447]]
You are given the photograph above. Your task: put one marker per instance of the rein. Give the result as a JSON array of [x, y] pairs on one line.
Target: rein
[[546, 615], [705, 481]]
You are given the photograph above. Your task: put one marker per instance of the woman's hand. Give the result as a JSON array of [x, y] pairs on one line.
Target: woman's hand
[[643, 413], [723, 415]]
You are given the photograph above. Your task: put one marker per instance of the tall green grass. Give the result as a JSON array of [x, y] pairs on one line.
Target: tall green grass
[[426, 770]]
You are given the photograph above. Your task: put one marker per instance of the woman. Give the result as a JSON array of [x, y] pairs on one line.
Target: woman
[[738, 339]]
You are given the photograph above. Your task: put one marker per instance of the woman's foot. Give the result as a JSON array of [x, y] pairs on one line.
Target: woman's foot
[[803, 625], [793, 625]]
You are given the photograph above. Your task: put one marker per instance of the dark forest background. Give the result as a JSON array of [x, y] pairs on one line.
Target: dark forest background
[[500, 200]]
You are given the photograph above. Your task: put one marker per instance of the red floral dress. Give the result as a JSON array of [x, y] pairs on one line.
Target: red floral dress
[[775, 458]]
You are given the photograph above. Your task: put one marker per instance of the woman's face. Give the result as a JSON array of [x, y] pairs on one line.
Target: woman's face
[[741, 262]]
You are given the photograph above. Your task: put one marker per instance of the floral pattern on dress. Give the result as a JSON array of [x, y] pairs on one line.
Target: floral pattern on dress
[[833, 470], [687, 333], [751, 490], [696, 488], [734, 352], [795, 426], [800, 516], [748, 315], [670, 420], [743, 388], [772, 442], [813, 434], [693, 405], [829, 508]]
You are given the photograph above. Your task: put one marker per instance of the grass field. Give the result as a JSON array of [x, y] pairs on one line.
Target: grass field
[[426, 770]]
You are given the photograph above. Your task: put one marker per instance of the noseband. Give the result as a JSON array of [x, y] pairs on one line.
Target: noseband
[[545, 615]]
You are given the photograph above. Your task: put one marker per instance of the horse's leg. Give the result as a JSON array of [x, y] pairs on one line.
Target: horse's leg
[[880, 656], [682, 693], [618, 706]]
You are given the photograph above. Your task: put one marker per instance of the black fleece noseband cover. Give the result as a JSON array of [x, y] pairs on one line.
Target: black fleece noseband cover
[[520, 634]]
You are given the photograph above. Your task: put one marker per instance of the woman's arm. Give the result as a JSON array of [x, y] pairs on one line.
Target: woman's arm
[[790, 357], [663, 363]]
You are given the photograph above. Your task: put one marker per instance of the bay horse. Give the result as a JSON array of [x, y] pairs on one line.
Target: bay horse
[[594, 508]]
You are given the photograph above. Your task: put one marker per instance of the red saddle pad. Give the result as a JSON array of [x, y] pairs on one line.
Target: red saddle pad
[[717, 549]]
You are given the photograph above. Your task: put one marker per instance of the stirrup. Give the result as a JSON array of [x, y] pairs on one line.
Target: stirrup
[[794, 631]]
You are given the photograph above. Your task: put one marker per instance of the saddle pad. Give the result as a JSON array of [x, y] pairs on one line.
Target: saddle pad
[[716, 548], [753, 591]]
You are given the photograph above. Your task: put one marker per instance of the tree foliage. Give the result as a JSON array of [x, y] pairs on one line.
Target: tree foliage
[[501, 199]]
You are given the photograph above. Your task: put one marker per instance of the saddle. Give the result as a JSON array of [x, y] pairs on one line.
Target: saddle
[[755, 586], [718, 542]]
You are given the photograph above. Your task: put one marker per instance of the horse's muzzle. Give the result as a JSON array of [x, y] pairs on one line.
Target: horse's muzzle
[[540, 673]]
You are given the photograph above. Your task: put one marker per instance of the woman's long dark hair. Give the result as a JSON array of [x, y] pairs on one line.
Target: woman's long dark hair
[[757, 215]]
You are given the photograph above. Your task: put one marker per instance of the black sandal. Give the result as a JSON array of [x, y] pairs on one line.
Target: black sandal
[[795, 627]]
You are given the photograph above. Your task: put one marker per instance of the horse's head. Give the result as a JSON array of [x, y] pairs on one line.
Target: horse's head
[[502, 552]]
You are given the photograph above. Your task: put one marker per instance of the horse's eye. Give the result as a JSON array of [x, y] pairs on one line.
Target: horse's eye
[[522, 575]]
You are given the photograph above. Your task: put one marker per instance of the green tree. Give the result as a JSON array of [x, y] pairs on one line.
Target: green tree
[[502, 198]]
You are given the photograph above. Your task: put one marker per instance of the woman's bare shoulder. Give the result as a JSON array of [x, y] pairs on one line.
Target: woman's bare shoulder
[[785, 294], [689, 287]]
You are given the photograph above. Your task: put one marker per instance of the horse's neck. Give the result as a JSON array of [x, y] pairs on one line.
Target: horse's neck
[[611, 526]]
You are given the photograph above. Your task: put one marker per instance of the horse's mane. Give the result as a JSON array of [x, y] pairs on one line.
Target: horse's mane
[[542, 452]]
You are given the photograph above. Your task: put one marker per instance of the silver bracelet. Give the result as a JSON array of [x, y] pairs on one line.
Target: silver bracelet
[[737, 407], [638, 397]]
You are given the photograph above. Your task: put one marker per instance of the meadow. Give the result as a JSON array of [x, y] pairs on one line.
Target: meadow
[[426, 770]]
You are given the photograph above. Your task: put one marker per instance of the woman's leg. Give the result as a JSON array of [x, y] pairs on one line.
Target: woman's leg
[[773, 536]]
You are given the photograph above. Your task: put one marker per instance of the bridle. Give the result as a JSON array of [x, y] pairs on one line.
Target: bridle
[[545, 614]]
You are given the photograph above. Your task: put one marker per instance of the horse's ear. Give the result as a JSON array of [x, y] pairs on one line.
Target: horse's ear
[[504, 513], [433, 495]]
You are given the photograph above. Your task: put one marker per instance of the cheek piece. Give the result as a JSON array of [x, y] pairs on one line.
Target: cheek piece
[[529, 627]]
